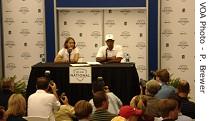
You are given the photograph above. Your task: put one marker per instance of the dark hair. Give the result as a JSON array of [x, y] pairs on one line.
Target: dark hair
[[83, 109], [183, 86], [98, 85], [163, 74], [98, 98], [42, 83], [167, 105], [67, 40]]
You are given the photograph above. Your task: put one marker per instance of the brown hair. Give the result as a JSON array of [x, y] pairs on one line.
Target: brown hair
[[16, 105], [183, 86], [66, 42], [98, 98], [163, 74], [167, 105], [83, 109]]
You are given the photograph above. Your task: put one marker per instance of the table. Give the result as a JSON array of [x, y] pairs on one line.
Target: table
[[122, 79]]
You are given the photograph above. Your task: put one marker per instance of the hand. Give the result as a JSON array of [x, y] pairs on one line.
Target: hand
[[65, 100], [53, 86]]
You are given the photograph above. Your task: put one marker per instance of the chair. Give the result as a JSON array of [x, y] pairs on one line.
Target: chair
[[36, 118]]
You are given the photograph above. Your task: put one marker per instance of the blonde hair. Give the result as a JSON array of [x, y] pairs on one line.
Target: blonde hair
[[16, 105]]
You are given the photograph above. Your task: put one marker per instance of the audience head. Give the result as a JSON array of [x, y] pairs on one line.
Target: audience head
[[98, 85], [2, 111], [100, 100], [162, 75], [152, 87], [69, 43], [42, 83], [83, 109], [169, 108], [118, 118], [8, 85], [16, 105], [130, 113], [183, 87]]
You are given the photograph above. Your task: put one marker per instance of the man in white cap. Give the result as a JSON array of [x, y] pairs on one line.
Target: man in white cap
[[110, 53]]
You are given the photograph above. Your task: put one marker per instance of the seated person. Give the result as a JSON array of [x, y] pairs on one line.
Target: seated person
[[83, 110], [110, 53], [69, 48]]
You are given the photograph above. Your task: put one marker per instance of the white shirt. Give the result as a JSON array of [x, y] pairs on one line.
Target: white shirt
[[42, 104], [64, 53], [116, 51], [114, 103]]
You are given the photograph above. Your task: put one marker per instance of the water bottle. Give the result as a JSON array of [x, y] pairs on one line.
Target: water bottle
[[127, 58]]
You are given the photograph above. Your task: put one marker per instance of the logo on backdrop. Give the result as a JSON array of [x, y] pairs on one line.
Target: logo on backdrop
[[80, 22], [140, 57], [81, 45], [140, 34], [39, 10], [38, 1], [141, 45], [167, 45], [183, 10], [24, 10], [39, 21], [8, 1], [10, 66], [9, 44], [25, 32], [167, 32], [183, 56], [183, 44], [167, 10], [25, 55], [95, 24], [9, 21], [96, 45], [183, 21], [65, 34], [141, 11], [40, 33], [141, 23], [80, 74], [125, 34], [24, 21], [25, 77], [25, 44], [166, 21], [26, 67], [110, 23], [9, 32], [64, 12], [125, 12], [95, 12], [141, 68], [166, 56], [183, 33], [183, 68], [96, 34], [40, 44]]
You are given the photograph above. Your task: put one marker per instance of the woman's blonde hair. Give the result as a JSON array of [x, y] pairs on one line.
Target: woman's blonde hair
[[16, 105]]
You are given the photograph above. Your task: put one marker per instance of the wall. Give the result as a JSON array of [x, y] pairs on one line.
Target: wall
[[23, 32], [178, 39]]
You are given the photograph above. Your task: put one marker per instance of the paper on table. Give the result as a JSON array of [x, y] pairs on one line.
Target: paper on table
[[93, 63], [80, 64]]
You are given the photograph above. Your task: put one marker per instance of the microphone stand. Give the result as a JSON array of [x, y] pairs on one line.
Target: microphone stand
[[69, 51]]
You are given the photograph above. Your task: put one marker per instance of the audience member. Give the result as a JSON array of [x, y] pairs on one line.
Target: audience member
[[118, 118], [69, 49], [110, 52], [2, 114], [83, 110], [16, 108], [114, 102], [130, 113], [6, 92], [187, 107], [163, 77], [100, 100], [148, 102], [66, 111], [168, 109], [41, 103]]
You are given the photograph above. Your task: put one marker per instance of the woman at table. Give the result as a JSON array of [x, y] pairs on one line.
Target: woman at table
[[69, 49]]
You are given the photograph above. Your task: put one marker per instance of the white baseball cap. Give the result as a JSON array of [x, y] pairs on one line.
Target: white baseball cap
[[109, 37]]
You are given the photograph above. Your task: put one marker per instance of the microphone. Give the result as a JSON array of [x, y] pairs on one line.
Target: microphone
[[106, 53], [69, 51]]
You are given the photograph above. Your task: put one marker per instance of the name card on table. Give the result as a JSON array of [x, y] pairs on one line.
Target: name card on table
[[80, 75]]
